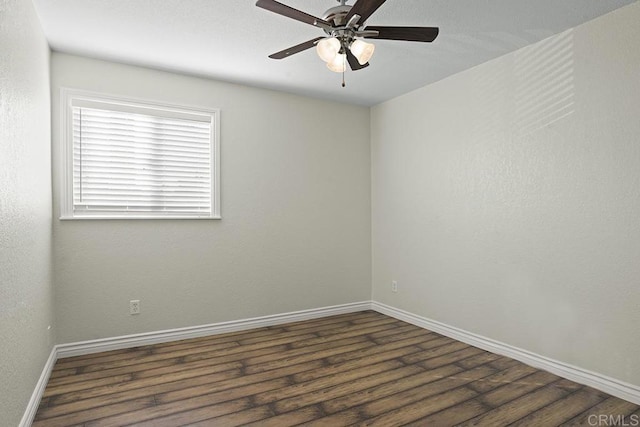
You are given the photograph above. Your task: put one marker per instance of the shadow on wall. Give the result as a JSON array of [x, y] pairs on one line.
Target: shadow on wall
[[529, 94], [544, 84]]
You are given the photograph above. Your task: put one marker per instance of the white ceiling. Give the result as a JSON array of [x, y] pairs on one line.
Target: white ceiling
[[230, 39]]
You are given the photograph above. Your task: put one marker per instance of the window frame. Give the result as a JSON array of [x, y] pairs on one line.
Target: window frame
[[67, 98]]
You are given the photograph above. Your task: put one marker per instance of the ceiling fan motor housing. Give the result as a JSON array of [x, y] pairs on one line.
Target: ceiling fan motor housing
[[337, 16]]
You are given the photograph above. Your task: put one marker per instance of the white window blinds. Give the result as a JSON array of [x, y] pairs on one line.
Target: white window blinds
[[141, 161]]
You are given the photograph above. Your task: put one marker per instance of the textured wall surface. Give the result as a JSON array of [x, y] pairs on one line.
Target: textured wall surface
[[505, 199], [25, 207], [295, 232]]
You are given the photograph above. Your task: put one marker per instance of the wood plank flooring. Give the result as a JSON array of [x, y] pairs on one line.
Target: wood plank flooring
[[355, 369]]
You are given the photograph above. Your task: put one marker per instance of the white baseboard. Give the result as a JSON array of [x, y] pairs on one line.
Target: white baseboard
[[148, 338], [36, 396], [600, 382]]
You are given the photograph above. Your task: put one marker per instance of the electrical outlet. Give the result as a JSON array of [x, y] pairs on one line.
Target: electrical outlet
[[134, 306], [394, 286]]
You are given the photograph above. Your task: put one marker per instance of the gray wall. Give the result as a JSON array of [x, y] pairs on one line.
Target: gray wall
[[25, 207], [295, 232], [506, 198]]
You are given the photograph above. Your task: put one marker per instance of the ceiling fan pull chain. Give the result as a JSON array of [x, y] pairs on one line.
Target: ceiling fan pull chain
[[344, 67]]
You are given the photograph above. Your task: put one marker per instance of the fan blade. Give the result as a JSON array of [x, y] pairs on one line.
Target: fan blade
[[289, 12], [353, 61], [295, 49], [364, 8], [412, 34]]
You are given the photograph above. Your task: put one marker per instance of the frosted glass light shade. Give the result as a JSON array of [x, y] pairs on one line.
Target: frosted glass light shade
[[338, 63], [363, 51], [328, 48]]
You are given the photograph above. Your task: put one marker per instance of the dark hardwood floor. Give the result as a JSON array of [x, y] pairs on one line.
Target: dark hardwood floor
[[361, 368]]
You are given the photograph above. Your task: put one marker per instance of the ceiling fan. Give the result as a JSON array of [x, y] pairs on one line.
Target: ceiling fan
[[345, 28]]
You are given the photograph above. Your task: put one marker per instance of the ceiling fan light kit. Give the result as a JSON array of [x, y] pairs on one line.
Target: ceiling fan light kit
[[328, 48], [345, 28], [362, 50], [338, 64]]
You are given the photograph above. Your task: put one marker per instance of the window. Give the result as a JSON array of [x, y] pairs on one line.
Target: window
[[131, 159]]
